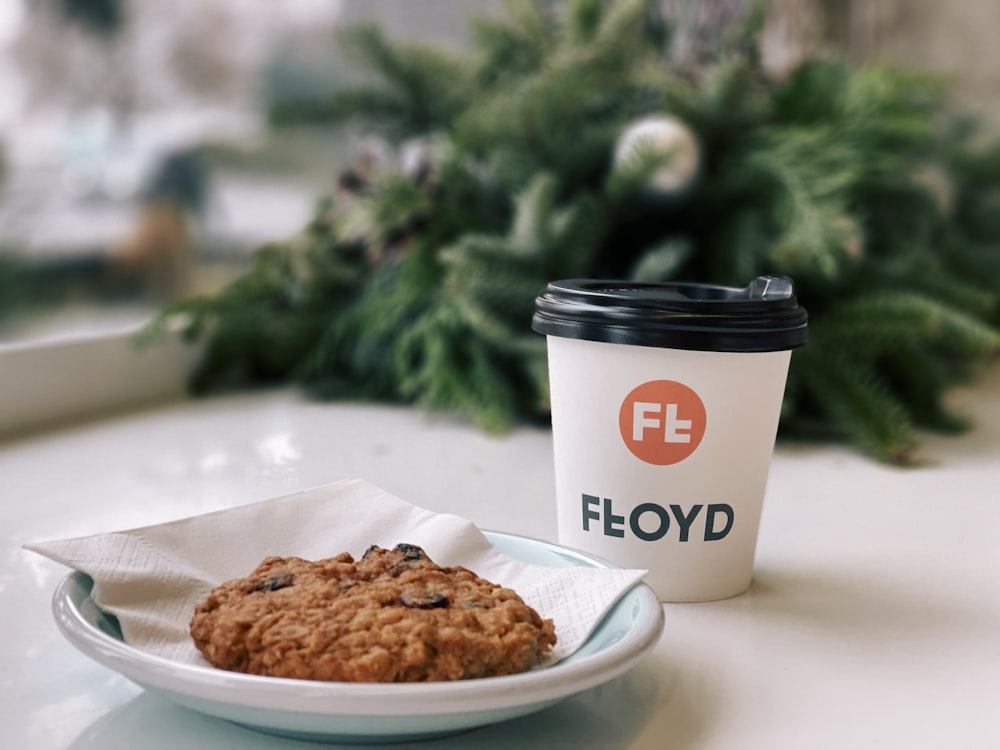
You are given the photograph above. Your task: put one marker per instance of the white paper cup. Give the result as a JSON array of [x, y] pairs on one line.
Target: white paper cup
[[665, 402]]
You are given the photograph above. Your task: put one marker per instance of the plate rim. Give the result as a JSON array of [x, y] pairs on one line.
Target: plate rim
[[371, 700]]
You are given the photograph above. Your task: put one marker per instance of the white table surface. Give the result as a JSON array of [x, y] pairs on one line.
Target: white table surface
[[873, 621]]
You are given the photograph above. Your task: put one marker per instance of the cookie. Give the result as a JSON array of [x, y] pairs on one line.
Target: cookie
[[391, 616]]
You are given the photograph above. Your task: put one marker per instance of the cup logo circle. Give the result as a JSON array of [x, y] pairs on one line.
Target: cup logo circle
[[662, 422]]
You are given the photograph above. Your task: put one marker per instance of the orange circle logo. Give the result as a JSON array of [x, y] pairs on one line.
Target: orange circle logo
[[662, 422]]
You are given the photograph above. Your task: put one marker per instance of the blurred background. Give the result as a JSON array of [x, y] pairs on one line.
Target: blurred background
[[137, 165]]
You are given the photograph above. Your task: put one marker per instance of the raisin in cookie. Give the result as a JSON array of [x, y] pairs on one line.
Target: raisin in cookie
[[392, 616]]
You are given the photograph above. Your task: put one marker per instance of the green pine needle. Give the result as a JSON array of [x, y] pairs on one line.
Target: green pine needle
[[861, 184]]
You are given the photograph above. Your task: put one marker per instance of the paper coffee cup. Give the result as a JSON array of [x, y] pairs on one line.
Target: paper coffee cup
[[665, 401]]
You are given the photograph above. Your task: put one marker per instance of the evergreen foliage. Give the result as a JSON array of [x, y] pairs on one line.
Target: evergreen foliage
[[418, 287]]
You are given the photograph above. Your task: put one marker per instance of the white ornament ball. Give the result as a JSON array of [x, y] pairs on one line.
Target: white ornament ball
[[667, 138]]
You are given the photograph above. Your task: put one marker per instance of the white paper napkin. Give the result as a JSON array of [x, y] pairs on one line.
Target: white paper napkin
[[151, 578]]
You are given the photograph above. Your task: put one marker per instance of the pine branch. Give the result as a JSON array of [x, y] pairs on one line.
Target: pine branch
[[445, 366], [885, 321], [663, 261], [860, 403], [419, 288], [812, 171], [421, 88], [923, 377]]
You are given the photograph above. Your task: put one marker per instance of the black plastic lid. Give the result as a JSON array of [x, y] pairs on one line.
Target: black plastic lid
[[763, 316]]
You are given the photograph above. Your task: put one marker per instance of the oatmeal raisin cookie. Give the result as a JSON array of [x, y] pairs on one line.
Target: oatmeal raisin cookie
[[391, 616]]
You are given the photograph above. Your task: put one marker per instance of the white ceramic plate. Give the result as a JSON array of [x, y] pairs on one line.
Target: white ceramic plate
[[368, 713]]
